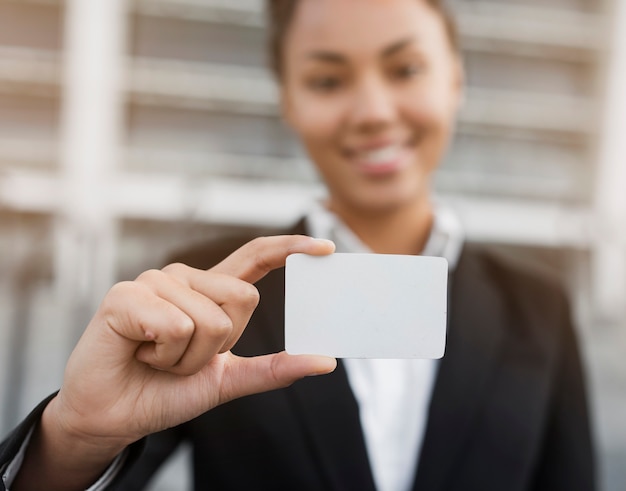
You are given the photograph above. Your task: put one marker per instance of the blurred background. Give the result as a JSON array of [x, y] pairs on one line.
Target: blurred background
[[129, 128]]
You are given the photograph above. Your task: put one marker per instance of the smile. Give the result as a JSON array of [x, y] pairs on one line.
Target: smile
[[380, 160], [381, 156]]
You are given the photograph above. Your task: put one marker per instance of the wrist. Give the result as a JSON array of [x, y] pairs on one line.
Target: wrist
[[76, 434], [58, 458]]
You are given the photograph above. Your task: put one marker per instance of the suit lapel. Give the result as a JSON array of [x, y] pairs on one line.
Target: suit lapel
[[330, 418], [465, 372], [325, 405]]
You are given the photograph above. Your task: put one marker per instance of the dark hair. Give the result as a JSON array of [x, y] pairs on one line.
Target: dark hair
[[280, 14]]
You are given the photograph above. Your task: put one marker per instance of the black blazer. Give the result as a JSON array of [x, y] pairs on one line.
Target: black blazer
[[508, 410]]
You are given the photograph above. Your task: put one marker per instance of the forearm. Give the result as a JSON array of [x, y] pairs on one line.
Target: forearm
[[59, 460]]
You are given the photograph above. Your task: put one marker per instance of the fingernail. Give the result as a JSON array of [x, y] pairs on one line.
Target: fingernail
[[324, 241], [332, 365]]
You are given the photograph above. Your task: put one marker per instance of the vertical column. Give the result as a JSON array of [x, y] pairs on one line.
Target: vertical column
[[609, 250], [95, 35]]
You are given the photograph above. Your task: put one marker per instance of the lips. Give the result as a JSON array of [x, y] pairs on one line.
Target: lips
[[380, 156], [380, 160]]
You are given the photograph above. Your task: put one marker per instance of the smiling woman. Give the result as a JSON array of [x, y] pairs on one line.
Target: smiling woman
[[371, 88]]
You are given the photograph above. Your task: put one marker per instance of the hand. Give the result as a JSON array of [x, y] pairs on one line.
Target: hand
[[156, 354]]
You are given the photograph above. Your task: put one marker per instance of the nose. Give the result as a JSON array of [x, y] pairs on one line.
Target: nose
[[373, 105]]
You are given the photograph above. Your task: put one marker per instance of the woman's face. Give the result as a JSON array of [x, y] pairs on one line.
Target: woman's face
[[371, 87]]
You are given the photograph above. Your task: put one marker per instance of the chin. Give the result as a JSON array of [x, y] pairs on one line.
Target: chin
[[397, 197], [385, 205]]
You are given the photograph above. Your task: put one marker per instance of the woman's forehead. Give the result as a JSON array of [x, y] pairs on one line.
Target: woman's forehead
[[348, 26]]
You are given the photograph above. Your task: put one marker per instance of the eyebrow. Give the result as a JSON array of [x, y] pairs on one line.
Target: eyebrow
[[397, 46], [328, 57], [339, 59]]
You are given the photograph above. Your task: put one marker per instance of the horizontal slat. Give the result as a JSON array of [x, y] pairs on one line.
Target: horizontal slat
[[203, 86], [287, 170], [28, 151], [541, 31], [483, 26], [239, 13], [234, 201], [251, 91], [29, 72]]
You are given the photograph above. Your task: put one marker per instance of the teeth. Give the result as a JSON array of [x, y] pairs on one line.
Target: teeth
[[381, 155]]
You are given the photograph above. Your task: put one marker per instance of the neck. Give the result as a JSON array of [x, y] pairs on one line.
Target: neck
[[398, 231]]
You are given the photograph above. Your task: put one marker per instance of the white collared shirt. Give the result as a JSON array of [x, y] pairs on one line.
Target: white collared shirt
[[393, 395]]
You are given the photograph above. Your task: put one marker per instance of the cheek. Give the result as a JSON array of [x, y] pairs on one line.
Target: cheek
[[431, 113], [431, 106], [316, 122]]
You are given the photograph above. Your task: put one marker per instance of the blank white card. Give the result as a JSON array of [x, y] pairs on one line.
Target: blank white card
[[366, 305]]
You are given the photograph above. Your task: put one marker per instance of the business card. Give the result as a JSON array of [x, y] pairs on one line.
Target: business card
[[366, 305]]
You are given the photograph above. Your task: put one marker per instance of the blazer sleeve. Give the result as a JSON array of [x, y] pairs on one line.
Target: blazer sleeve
[[567, 460], [10, 447], [138, 471], [12, 444]]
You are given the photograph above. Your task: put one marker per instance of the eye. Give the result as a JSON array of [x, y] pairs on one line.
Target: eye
[[407, 70], [324, 84]]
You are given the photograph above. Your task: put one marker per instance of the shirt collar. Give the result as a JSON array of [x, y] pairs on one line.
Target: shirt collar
[[445, 240]]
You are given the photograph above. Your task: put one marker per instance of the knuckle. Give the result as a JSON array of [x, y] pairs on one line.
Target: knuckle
[[222, 327], [257, 242], [150, 276], [250, 295], [175, 269], [261, 263], [242, 293], [181, 329], [121, 290], [275, 372]]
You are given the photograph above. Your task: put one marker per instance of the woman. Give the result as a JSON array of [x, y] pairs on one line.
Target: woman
[[372, 89]]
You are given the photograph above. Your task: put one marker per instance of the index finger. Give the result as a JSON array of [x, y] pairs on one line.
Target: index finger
[[254, 260]]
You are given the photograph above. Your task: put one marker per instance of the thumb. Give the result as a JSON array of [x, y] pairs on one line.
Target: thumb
[[268, 372]]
